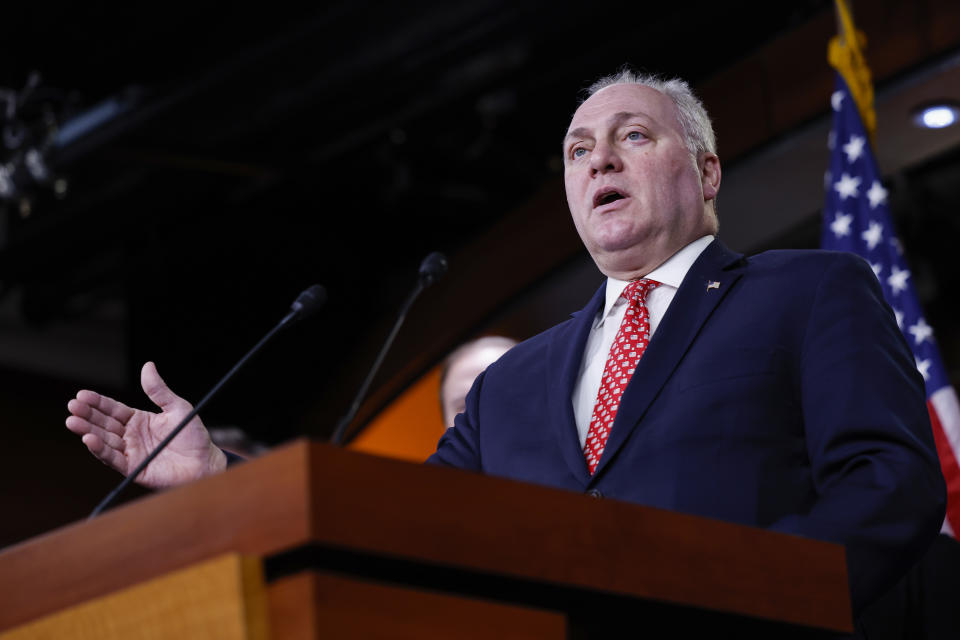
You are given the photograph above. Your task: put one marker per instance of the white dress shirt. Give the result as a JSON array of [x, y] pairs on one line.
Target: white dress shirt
[[670, 274]]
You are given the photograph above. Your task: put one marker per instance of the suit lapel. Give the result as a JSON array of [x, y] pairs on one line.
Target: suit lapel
[[564, 354], [693, 303]]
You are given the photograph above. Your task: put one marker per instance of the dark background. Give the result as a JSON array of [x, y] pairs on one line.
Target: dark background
[[257, 151]]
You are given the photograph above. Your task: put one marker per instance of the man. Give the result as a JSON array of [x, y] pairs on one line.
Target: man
[[774, 391], [462, 367]]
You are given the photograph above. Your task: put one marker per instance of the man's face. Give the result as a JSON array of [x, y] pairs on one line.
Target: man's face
[[636, 193]]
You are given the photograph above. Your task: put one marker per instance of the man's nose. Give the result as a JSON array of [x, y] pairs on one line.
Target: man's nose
[[603, 159]]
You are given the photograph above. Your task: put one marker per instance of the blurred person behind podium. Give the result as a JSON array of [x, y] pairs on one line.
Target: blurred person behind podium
[[462, 367], [409, 427]]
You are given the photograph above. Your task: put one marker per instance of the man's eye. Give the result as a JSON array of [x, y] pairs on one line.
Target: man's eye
[[578, 152], [635, 136]]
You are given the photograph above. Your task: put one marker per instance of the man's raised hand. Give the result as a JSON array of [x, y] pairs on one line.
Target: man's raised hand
[[122, 437]]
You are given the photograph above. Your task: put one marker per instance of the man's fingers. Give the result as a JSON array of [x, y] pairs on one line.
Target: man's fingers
[[96, 417], [84, 427], [78, 425], [108, 406], [157, 390], [108, 455]]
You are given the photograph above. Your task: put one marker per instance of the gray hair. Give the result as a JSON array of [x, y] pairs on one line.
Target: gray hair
[[697, 129], [502, 342]]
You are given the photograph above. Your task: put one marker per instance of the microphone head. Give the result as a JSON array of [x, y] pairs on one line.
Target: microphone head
[[433, 267], [309, 302]]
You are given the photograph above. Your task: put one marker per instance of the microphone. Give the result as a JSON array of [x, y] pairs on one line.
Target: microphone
[[433, 267], [306, 304]]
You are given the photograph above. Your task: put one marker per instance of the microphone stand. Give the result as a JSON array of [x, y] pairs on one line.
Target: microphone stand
[[431, 269], [306, 303]]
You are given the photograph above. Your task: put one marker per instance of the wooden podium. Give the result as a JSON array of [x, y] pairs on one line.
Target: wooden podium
[[312, 541]]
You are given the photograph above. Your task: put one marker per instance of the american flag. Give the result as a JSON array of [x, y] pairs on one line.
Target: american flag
[[856, 218]]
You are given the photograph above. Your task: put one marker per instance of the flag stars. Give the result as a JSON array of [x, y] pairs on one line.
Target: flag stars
[[921, 331], [851, 183], [877, 194], [873, 235], [898, 280], [854, 148], [836, 100], [848, 186], [841, 224]]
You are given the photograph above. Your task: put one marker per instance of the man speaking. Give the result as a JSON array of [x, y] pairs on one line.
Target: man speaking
[[774, 391]]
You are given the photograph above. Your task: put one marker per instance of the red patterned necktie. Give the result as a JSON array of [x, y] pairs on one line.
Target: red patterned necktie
[[625, 352]]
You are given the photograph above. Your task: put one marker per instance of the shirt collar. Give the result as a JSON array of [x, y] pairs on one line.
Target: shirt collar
[[671, 273]]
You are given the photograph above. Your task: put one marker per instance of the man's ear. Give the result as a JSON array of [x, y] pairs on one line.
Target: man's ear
[[709, 165]]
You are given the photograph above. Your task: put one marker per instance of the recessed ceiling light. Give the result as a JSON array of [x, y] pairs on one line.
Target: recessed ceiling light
[[936, 115]]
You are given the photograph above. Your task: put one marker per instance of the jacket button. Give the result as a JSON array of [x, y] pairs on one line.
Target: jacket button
[[594, 493]]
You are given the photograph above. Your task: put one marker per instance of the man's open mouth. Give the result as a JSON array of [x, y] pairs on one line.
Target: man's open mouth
[[606, 196]]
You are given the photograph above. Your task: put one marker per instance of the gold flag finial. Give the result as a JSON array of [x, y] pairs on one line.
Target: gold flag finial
[[845, 54]]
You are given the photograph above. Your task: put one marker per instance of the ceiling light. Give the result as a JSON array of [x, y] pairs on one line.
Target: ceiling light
[[936, 115]]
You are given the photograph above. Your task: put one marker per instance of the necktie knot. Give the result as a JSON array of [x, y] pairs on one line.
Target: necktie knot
[[636, 291]]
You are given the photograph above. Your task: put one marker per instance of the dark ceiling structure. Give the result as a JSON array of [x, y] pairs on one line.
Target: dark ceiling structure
[[197, 167], [249, 154]]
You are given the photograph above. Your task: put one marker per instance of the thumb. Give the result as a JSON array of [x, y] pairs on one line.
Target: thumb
[[157, 390]]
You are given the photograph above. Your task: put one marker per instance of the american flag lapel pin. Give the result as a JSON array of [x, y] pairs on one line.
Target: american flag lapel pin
[[712, 284]]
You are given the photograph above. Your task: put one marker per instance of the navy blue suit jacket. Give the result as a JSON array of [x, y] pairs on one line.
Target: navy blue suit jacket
[[785, 398]]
